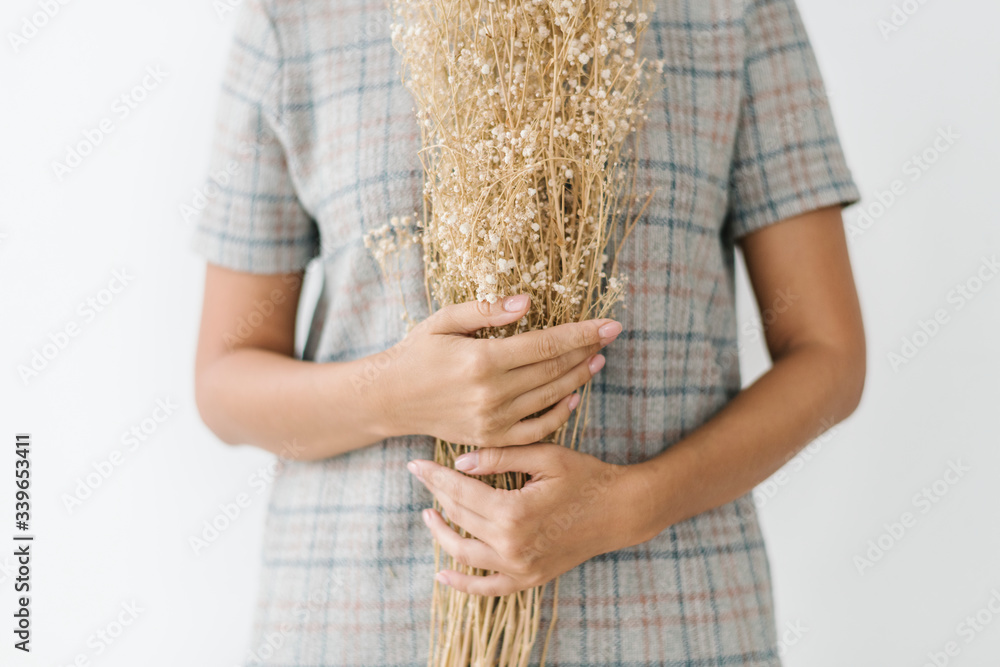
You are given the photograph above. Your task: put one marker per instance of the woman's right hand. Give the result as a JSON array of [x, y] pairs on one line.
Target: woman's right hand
[[443, 382]]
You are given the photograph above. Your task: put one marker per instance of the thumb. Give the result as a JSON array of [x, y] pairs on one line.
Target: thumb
[[470, 316], [531, 459]]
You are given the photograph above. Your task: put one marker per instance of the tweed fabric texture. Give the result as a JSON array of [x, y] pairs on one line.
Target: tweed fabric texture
[[318, 138]]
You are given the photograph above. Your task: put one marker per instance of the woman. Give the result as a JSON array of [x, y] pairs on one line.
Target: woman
[[650, 526]]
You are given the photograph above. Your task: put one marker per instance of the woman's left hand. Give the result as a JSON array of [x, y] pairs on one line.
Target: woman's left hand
[[573, 508]]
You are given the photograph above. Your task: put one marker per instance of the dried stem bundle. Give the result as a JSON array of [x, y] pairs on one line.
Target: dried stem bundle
[[525, 109]]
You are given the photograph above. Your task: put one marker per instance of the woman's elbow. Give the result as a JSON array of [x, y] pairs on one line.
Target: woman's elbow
[[851, 370], [855, 384], [206, 398]]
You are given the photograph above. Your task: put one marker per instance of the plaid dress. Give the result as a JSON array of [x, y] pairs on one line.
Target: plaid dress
[[316, 145]]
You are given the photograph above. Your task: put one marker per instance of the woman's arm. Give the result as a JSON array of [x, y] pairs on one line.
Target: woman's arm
[[437, 381], [249, 389], [817, 344], [576, 507]]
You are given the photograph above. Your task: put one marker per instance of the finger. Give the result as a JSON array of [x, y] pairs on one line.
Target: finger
[[533, 430], [466, 491], [534, 346], [524, 379], [471, 522], [541, 398], [465, 500], [470, 316], [531, 459], [465, 550], [491, 585]]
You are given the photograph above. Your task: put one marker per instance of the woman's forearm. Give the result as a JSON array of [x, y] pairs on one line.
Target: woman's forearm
[[808, 389], [295, 409], [438, 381]]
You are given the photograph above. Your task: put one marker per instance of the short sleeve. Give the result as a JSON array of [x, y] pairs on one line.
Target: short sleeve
[[787, 158], [251, 218]]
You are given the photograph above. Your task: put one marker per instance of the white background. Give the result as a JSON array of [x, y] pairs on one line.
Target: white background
[[61, 240]]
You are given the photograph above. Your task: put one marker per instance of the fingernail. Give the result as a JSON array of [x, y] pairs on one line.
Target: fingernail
[[512, 304], [426, 514], [442, 578], [573, 402], [467, 462], [415, 469], [610, 330], [596, 364]]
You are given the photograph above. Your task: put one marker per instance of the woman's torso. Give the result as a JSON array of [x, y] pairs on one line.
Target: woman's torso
[[348, 564]]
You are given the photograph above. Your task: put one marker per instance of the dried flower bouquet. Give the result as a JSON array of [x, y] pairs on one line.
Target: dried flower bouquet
[[526, 109]]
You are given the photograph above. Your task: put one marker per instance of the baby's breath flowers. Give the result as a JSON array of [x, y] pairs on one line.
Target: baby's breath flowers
[[386, 243], [525, 109]]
